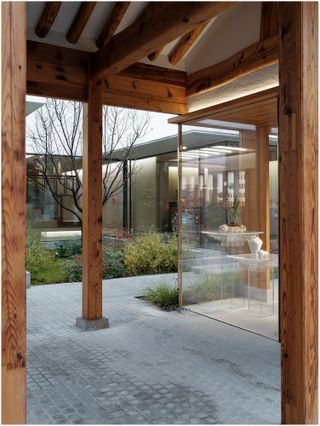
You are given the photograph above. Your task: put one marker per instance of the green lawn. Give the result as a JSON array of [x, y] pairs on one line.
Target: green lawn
[[52, 274]]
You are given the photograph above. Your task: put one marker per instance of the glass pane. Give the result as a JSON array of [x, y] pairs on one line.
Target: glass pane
[[229, 194]]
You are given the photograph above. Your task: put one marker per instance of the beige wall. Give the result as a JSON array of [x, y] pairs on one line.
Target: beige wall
[[144, 213]]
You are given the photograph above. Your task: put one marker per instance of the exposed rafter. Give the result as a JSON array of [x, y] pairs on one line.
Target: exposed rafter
[[160, 24], [112, 23], [253, 58], [47, 18], [80, 21], [154, 55], [184, 44]]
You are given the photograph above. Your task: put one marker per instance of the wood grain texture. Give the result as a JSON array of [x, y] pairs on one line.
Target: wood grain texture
[[233, 108], [13, 362], [179, 218], [112, 23], [298, 115], [80, 21], [47, 18], [159, 75], [63, 73], [269, 23], [185, 43], [161, 23], [154, 55], [254, 58], [56, 72], [92, 205]]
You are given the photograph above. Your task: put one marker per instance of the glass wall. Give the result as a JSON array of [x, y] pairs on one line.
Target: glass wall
[[229, 197]]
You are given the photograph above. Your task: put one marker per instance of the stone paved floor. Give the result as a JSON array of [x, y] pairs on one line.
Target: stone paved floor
[[150, 366]]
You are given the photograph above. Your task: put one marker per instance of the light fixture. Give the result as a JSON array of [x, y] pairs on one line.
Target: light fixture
[[228, 124], [232, 148]]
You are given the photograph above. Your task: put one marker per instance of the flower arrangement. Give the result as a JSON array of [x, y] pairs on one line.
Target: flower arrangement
[[233, 210]]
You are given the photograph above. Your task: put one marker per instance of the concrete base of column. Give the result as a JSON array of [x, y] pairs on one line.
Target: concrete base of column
[[90, 325]]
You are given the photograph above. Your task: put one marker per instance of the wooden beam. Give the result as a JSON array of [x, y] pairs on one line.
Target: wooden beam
[[154, 55], [59, 72], [298, 117], [13, 360], [160, 24], [269, 23], [47, 18], [159, 75], [254, 58], [142, 94], [92, 206], [185, 43], [112, 23], [80, 21], [229, 107]]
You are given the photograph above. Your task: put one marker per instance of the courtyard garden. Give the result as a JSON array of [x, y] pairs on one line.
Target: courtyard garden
[[122, 255]]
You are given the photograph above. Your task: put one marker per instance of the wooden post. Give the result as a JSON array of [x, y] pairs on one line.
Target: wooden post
[[298, 115], [180, 252], [13, 213], [256, 215], [92, 213]]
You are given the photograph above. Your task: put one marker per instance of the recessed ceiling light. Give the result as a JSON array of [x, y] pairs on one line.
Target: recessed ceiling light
[[228, 124]]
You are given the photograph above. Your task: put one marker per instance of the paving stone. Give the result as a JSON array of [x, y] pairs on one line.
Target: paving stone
[[149, 367]]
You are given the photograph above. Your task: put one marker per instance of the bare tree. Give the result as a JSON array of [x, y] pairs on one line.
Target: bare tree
[[56, 136]]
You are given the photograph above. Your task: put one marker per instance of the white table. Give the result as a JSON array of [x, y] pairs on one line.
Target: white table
[[254, 263], [232, 239]]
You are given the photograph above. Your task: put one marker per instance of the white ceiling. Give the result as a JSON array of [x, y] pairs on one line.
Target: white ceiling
[[230, 32]]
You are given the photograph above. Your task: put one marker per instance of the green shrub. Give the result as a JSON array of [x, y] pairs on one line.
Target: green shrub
[[37, 257], [68, 249], [211, 287], [151, 254], [113, 263], [74, 269], [164, 296]]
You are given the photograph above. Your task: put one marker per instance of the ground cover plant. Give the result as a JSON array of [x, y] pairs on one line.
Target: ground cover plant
[[212, 287], [205, 289], [164, 296], [122, 255], [42, 263]]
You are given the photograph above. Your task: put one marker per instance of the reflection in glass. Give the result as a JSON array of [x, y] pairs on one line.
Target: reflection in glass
[[229, 196]]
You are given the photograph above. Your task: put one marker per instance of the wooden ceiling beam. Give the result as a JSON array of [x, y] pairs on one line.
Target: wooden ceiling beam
[[253, 58], [47, 18], [269, 23], [59, 72], [112, 23], [185, 43], [154, 55], [161, 23], [80, 21], [159, 75]]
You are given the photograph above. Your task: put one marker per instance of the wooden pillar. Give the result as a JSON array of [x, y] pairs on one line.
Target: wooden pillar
[[92, 212], [256, 214], [13, 213], [298, 115], [180, 251]]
